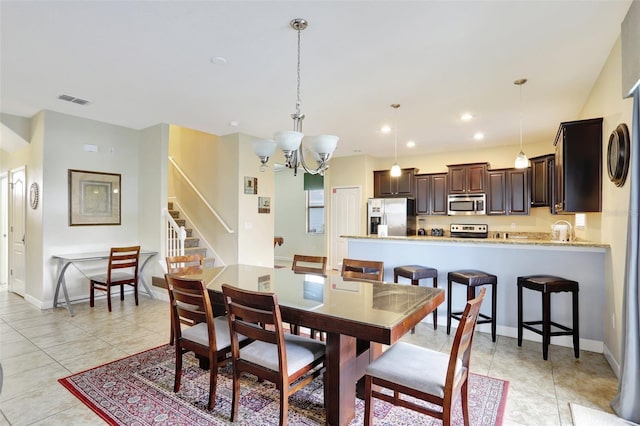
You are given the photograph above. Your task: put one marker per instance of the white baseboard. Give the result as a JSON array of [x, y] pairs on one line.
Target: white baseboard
[[612, 361]]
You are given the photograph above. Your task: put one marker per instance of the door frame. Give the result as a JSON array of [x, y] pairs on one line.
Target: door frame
[[4, 228]]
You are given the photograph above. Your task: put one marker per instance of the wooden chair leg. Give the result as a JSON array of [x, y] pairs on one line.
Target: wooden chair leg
[[213, 381], [121, 291], [235, 399], [519, 314], [178, 376], [109, 297], [135, 292], [465, 401], [368, 402], [91, 297], [284, 405], [435, 311]]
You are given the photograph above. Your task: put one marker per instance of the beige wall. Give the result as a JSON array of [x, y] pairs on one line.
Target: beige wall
[[610, 226], [216, 166]]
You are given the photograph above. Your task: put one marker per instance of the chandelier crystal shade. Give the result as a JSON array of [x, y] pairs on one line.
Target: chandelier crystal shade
[[293, 142], [522, 162]]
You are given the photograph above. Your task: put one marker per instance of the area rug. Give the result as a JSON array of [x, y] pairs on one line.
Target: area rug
[[585, 416], [138, 390]]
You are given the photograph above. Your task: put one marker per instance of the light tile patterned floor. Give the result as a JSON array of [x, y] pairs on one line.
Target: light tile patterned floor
[[38, 347]]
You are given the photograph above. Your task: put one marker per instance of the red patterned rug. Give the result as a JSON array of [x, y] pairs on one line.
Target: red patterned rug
[[138, 390]]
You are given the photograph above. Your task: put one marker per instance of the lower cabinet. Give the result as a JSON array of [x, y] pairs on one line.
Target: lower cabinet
[[431, 194], [508, 192]]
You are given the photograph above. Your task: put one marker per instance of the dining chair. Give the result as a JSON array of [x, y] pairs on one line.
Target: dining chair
[[188, 264], [309, 264], [183, 265], [122, 270], [287, 360], [204, 335], [425, 374], [363, 269], [316, 265]]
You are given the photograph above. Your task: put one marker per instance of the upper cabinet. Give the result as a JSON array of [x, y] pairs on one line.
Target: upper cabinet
[[384, 185], [508, 192], [578, 166], [542, 170], [467, 178], [431, 194]]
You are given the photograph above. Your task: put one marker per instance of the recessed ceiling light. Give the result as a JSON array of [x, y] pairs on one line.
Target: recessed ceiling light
[[385, 129], [411, 144], [218, 60], [233, 123], [478, 136], [466, 116]]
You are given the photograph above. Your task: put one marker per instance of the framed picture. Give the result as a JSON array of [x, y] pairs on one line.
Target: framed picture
[[94, 198], [250, 185], [264, 204]]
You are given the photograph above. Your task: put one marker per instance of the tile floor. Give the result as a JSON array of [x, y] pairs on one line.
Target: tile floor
[[39, 347]]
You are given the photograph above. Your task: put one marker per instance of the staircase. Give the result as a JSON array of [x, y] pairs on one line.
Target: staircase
[[191, 245]]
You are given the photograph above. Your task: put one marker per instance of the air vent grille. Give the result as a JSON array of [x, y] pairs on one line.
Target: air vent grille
[[73, 99]]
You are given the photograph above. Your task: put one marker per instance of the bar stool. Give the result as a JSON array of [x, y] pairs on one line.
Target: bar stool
[[473, 278], [547, 284], [415, 273]]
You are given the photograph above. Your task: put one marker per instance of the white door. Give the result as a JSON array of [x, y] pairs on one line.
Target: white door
[[4, 228], [346, 216], [17, 219]]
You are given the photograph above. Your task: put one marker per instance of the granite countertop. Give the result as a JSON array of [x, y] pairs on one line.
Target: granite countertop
[[519, 239]]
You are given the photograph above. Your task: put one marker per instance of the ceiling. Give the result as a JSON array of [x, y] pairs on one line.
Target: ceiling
[[140, 63]]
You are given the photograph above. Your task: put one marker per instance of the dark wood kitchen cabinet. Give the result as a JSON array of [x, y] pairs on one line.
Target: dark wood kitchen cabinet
[[467, 178], [384, 185], [578, 166], [508, 192], [542, 169], [431, 194]]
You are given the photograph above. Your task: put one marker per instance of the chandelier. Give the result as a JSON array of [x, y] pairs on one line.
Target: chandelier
[[522, 162], [290, 142]]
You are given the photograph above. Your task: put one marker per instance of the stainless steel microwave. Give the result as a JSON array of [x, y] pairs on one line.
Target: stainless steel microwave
[[467, 204]]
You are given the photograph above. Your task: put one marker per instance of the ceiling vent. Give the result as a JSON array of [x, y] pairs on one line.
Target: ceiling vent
[[73, 99]]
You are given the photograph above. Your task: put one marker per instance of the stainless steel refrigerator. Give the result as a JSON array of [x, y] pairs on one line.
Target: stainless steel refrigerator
[[398, 214]]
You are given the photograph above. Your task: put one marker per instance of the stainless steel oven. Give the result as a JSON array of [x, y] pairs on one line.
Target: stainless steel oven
[[467, 204]]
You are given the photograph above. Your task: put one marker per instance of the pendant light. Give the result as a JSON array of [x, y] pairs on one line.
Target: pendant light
[[291, 142], [395, 169], [522, 162]]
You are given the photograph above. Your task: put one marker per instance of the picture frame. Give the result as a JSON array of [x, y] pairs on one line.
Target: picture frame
[[94, 198], [250, 185], [264, 204]]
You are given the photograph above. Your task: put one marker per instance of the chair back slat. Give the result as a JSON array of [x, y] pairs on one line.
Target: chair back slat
[[190, 264], [363, 269], [309, 264], [190, 304]]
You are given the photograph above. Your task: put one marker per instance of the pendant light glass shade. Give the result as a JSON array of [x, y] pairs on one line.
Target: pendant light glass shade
[[291, 142], [395, 169], [522, 162]]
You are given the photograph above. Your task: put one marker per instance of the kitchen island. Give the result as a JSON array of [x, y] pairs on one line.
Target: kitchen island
[[581, 261]]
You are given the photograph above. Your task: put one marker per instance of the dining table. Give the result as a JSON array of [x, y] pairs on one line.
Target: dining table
[[358, 317]]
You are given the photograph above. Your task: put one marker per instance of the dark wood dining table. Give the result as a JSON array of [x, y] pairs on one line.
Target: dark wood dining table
[[357, 316]]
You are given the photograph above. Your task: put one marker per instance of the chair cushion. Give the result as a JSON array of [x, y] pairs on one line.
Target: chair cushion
[[199, 334], [301, 351], [413, 366], [415, 272], [115, 277], [472, 277]]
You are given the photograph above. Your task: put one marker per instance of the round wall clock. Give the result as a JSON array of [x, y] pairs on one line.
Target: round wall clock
[[618, 154], [34, 194]]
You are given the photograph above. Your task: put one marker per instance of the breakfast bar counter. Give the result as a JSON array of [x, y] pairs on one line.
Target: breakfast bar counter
[[582, 261]]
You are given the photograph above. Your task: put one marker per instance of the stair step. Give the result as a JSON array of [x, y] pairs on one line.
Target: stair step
[[170, 205], [174, 214], [191, 242], [181, 222], [196, 250]]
